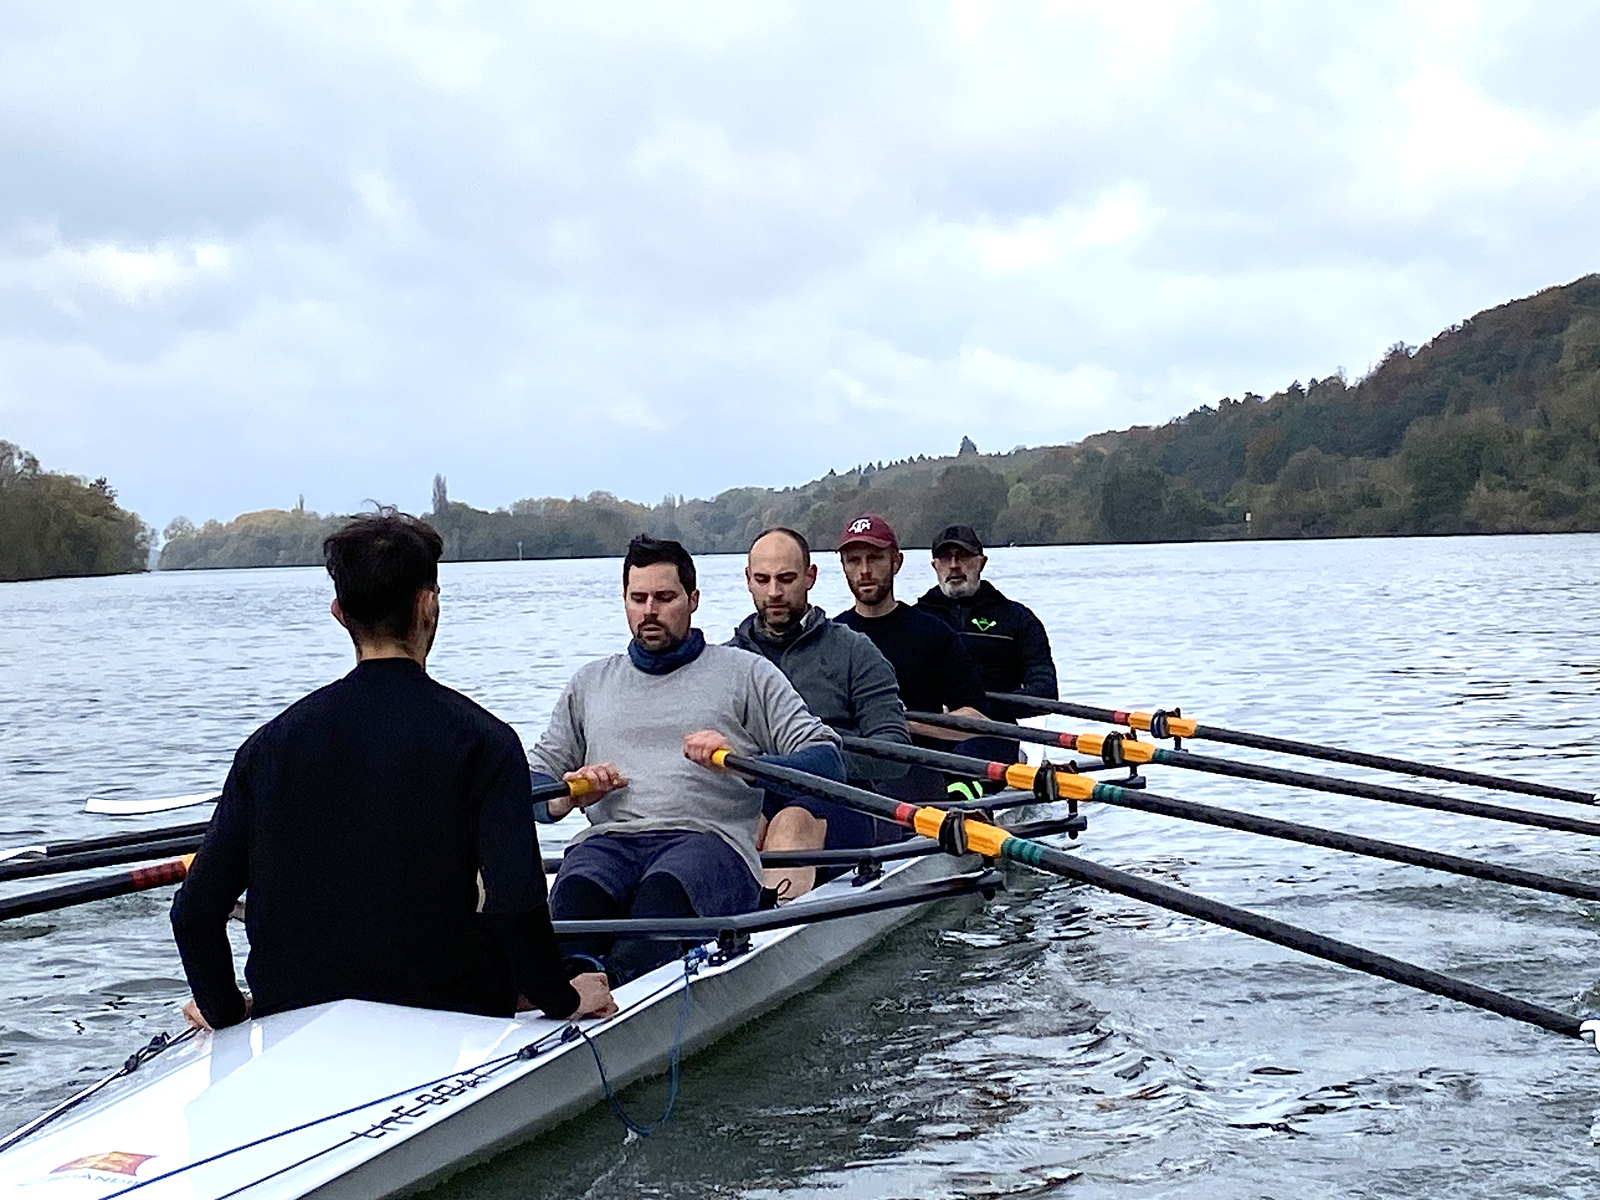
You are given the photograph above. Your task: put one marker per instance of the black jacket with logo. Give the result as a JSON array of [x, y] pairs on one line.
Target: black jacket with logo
[[1006, 641]]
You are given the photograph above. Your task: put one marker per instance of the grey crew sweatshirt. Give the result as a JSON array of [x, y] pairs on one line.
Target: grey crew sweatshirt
[[613, 712]]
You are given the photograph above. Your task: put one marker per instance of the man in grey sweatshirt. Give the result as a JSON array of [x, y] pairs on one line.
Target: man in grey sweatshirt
[[669, 834], [843, 678]]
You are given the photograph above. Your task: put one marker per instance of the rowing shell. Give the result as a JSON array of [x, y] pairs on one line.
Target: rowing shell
[[355, 1099]]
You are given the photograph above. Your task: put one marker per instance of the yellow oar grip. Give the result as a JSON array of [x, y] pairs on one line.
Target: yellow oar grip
[[720, 757], [579, 786]]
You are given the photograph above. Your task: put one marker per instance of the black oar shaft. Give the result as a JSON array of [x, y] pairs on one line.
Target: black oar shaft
[[1289, 831], [1190, 761], [61, 864], [133, 837], [1375, 791], [1293, 937], [1354, 758], [121, 884], [1036, 854], [160, 836]]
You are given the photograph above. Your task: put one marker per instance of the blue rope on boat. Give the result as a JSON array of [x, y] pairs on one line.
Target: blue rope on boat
[[691, 964]]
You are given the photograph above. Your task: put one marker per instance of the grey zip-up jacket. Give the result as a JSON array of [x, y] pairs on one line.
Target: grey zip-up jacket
[[845, 681]]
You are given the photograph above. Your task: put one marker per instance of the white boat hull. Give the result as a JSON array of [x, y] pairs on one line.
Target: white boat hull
[[245, 1112]]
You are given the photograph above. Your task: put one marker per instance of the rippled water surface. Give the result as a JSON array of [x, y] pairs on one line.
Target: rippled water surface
[[1059, 1042]]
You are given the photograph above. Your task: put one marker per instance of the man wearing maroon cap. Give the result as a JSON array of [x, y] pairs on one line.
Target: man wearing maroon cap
[[933, 668]]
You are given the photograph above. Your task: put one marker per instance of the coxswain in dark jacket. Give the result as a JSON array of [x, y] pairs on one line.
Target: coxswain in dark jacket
[[363, 821]]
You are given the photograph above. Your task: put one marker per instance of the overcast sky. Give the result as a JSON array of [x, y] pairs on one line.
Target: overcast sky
[[250, 251]]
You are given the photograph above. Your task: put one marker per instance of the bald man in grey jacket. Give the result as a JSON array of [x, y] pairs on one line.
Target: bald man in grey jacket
[[842, 677]]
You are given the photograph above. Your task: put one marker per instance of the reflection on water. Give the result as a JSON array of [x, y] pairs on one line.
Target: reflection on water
[[1058, 1041]]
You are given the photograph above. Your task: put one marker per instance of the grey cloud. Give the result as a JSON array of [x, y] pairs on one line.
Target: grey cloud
[[648, 248]]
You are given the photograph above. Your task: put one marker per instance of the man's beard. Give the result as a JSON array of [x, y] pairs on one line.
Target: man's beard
[[879, 593], [966, 589], [665, 647], [783, 619]]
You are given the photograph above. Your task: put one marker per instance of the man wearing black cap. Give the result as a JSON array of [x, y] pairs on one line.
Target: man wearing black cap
[[933, 668], [1005, 639]]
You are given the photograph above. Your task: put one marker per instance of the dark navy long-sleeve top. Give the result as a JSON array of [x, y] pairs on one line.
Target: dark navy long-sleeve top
[[359, 820]]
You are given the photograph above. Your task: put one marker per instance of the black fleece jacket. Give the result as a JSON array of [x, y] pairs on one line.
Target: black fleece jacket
[[1006, 641]]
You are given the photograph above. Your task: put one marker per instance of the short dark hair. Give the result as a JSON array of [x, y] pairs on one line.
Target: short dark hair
[[794, 535], [379, 562], [646, 551]]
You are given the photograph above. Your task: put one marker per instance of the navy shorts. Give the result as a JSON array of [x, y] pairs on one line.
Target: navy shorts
[[712, 873]]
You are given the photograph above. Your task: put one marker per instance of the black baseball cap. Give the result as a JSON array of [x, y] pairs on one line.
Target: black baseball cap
[[958, 535]]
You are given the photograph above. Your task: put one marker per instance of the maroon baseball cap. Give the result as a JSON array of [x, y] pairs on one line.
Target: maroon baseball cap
[[871, 529]]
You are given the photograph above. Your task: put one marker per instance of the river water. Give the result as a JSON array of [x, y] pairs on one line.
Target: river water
[[1060, 1041]]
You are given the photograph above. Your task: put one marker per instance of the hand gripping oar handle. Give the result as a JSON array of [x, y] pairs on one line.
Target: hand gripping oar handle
[[1226, 818], [1182, 727], [1124, 749], [993, 842]]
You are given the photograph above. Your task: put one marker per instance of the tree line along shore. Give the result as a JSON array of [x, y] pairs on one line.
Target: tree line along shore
[[1491, 427], [53, 524]]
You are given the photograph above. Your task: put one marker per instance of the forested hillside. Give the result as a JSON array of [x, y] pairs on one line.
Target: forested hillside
[[53, 524], [270, 538], [1492, 427]]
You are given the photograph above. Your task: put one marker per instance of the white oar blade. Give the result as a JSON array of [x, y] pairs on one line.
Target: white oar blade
[[23, 852], [133, 808]]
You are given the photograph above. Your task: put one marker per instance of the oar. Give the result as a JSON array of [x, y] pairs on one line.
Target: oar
[[110, 841], [110, 807], [63, 864], [1024, 775], [121, 884], [960, 834], [1172, 725], [131, 808], [1147, 752], [134, 846]]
